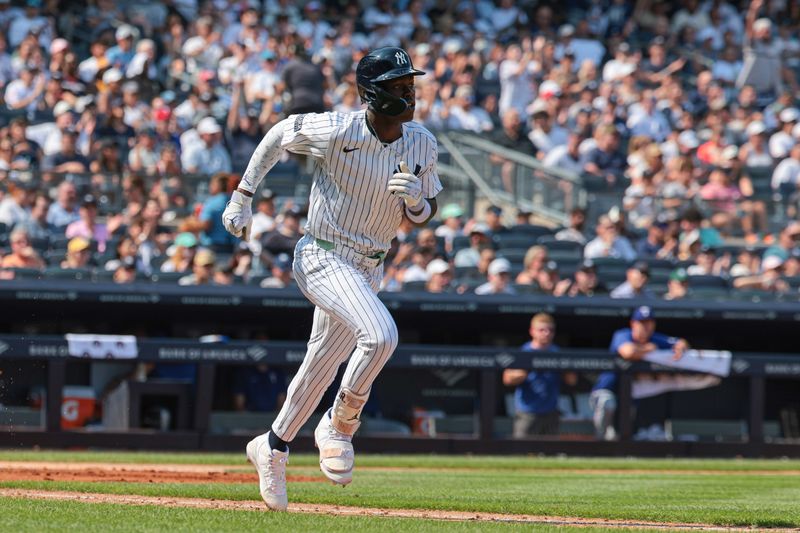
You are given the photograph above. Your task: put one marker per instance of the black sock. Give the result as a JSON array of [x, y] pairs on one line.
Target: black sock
[[275, 443]]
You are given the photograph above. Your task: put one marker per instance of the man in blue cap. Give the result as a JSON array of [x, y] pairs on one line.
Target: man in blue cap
[[632, 344]]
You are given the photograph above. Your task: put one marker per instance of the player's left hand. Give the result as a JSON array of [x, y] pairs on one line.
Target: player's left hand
[[406, 185]]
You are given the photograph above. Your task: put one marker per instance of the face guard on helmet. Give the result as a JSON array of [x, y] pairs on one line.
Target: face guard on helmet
[[381, 65]]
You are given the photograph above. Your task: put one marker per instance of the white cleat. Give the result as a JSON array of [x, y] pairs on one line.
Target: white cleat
[[336, 455], [271, 467]]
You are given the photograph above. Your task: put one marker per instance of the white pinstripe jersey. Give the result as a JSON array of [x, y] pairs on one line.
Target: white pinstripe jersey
[[350, 203]]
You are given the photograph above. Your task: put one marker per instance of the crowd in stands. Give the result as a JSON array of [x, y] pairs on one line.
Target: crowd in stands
[[688, 109]]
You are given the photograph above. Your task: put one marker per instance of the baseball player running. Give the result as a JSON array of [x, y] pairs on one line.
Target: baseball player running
[[372, 167]]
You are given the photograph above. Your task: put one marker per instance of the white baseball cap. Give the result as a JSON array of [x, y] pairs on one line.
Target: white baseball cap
[[790, 114], [689, 139], [208, 126], [193, 46], [771, 262], [112, 75], [58, 45], [756, 128], [124, 31], [499, 266], [60, 108], [437, 266]]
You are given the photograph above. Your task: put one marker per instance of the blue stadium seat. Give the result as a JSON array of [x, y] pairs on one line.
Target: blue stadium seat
[[414, 286], [511, 240], [167, 277], [708, 281], [531, 229], [77, 274]]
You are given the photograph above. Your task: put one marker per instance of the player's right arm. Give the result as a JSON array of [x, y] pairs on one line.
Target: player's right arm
[[302, 134]]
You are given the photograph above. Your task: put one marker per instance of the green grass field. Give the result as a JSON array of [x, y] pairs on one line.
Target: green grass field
[[741, 493]]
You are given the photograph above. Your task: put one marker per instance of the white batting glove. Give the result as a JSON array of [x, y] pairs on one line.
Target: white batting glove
[[406, 185], [238, 215]]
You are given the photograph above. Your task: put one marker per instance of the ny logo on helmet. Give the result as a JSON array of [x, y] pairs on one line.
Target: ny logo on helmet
[[401, 58]]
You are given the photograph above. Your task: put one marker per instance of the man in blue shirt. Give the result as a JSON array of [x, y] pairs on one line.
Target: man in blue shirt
[[631, 344], [536, 394], [214, 233], [259, 388]]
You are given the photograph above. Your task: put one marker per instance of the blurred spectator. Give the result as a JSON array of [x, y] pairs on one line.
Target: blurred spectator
[[22, 253], [566, 156], [763, 66], [120, 56], [786, 176], [210, 218], [264, 217], [182, 253], [782, 141], [203, 269], [125, 271], [259, 388], [440, 276], [768, 280], [499, 281], [65, 209], [635, 284], [208, 156], [788, 240], [532, 265], [545, 135], [305, 83], [283, 239], [36, 226], [536, 393], [126, 249], [678, 284], [651, 244], [574, 232], [608, 242], [494, 220], [281, 273], [15, 207], [79, 254], [605, 159], [478, 240], [451, 226], [87, 226], [25, 92], [465, 115], [583, 283]]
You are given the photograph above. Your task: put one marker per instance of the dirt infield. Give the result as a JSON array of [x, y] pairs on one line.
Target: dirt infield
[[175, 473]]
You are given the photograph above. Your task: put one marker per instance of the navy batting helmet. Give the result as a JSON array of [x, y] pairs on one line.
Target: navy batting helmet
[[380, 65]]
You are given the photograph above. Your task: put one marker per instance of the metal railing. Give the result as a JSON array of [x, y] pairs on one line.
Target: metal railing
[[510, 178]]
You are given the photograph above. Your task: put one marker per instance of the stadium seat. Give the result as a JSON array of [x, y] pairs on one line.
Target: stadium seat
[[511, 240], [467, 273], [708, 293], [523, 288], [167, 277], [27, 273], [515, 255], [77, 274], [460, 242], [708, 281], [414, 286], [531, 229]]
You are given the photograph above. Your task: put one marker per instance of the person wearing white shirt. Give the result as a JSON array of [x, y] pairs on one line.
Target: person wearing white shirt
[[26, 91], [787, 174], [516, 80], [566, 156], [261, 84], [646, 120], [464, 115], [208, 157], [609, 243], [545, 135], [727, 67], [31, 22], [88, 68], [782, 141]]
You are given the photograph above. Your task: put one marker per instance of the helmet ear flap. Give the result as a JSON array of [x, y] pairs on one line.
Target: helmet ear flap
[[386, 103]]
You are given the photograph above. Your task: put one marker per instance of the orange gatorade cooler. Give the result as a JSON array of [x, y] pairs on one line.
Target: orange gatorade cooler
[[77, 406]]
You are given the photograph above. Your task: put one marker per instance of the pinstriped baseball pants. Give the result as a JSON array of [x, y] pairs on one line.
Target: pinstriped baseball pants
[[348, 319]]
